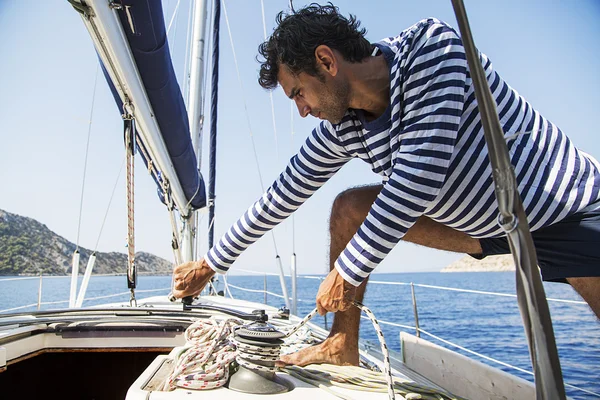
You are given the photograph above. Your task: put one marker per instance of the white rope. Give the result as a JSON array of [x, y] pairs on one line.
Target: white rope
[[384, 350], [247, 354], [204, 361], [361, 379]]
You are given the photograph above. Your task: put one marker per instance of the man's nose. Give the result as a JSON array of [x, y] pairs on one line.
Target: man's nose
[[303, 109]]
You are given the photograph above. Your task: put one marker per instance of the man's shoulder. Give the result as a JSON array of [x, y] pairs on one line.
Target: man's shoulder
[[405, 38]]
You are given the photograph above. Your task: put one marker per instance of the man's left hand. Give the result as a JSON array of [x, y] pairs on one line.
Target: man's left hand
[[190, 278], [335, 294]]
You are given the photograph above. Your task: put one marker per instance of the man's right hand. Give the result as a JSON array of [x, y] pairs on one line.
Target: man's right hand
[[190, 278]]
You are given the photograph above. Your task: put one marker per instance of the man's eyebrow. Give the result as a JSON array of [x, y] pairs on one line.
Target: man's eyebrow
[[293, 93]]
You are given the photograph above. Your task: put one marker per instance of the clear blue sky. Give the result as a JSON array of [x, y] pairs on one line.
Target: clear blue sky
[[548, 51]]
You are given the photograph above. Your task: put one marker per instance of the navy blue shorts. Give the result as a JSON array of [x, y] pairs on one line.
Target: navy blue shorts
[[567, 249]]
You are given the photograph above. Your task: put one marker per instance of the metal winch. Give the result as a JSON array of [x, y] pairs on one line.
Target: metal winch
[[258, 345]]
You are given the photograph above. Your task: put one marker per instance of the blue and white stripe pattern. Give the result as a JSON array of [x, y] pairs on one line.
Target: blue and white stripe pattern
[[430, 150]]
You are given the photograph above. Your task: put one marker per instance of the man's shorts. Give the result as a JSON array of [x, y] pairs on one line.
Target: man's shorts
[[567, 249]]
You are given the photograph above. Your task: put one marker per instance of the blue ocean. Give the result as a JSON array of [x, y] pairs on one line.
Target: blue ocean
[[487, 324]]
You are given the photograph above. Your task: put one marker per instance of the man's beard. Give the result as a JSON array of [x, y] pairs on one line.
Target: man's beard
[[334, 102]]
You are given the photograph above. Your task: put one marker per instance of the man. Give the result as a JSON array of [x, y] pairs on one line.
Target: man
[[406, 106]]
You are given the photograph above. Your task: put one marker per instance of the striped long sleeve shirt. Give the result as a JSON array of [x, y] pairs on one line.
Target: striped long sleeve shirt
[[430, 150]]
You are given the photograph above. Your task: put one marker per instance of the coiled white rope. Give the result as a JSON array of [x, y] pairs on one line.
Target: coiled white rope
[[205, 360], [248, 353]]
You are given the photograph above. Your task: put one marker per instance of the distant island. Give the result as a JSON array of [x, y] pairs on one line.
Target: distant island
[[488, 264], [28, 247]]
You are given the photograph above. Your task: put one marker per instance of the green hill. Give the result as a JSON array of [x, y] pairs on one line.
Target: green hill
[[29, 247]]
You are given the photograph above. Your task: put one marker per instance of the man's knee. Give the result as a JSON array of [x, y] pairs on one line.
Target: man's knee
[[589, 289], [354, 202]]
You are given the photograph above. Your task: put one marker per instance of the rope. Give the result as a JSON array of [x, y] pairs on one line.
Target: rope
[[384, 349], [204, 362], [248, 353], [130, 170], [361, 379]]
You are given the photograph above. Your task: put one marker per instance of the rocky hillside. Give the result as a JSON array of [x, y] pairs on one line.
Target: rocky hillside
[[490, 263], [29, 247]]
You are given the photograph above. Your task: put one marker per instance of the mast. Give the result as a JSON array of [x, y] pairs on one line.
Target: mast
[[195, 112]]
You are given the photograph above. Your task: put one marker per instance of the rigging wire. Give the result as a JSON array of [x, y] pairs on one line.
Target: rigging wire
[[292, 151], [243, 97], [173, 17], [109, 203], [186, 62], [87, 148], [262, 6]]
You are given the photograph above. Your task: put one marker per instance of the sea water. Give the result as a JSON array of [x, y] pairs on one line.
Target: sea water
[[490, 325]]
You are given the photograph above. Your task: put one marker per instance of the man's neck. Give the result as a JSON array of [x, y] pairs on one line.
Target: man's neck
[[370, 86]]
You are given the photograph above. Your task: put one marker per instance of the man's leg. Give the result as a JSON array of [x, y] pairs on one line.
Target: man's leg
[[589, 289], [349, 211]]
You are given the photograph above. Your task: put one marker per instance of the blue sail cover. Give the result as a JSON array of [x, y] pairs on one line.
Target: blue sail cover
[[144, 26]]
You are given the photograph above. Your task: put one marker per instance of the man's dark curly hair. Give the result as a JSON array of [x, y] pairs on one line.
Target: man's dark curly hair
[[298, 34]]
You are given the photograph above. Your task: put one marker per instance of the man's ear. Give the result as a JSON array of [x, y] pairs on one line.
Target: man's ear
[[326, 60]]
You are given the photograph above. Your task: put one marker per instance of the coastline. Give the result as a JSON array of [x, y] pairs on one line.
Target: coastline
[[488, 264]]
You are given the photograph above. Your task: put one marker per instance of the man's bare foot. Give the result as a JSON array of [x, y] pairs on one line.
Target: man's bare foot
[[333, 350]]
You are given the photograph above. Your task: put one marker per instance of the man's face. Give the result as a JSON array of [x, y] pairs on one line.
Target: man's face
[[323, 97]]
